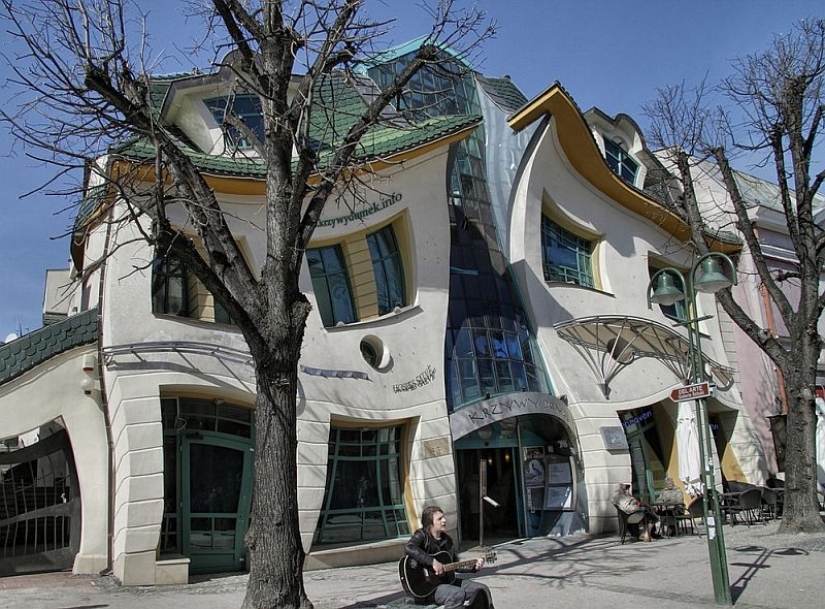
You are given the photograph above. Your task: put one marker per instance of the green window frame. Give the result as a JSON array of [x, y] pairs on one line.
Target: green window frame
[[180, 415], [620, 161], [566, 257], [388, 270], [364, 498], [330, 282]]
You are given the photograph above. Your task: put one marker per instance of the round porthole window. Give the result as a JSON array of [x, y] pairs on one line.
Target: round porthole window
[[375, 352]]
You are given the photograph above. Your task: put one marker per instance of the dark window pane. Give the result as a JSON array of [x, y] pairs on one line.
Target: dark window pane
[[504, 377], [620, 161], [389, 273], [169, 293], [215, 479], [486, 376], [330, 282], [469, 379]]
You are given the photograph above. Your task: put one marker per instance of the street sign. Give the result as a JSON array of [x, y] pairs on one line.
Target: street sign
[[690, 392]]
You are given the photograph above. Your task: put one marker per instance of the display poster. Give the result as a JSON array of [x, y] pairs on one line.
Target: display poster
[[559, 489], [558, 498], [534, 470]]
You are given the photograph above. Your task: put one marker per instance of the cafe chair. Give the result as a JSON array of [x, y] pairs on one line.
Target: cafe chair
[[625, 520], [770, 503], [685, 519], [748, 506]]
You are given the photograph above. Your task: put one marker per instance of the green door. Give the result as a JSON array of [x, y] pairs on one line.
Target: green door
[[217, 489]]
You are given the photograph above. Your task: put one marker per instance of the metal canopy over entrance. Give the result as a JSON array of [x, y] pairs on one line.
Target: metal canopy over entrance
[[609, 343]]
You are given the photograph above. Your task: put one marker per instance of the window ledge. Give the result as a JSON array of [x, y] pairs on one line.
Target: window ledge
[[196, 321], [568, 284], [381, 320]]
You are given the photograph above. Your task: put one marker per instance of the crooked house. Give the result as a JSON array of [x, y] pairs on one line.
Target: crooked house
[[479, 313]]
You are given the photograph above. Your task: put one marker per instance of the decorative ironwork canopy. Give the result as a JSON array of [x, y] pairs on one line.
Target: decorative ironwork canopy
[[609, 343]]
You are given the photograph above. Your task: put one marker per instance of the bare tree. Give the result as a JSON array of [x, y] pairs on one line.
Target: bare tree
[[85, 87], [777, 114]]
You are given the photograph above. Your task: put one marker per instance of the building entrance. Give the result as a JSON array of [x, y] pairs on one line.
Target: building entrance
[[208, 472], [217, 482], [501, 522], [532, 473]]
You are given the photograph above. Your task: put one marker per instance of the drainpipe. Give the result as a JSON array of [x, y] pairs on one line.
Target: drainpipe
[[104, 404]]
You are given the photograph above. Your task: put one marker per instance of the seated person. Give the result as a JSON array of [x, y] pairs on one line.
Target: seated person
[[626, 502], [670, 496], [431, 540]]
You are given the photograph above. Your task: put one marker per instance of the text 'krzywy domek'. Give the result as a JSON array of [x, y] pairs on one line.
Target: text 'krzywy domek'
[[479, 310]]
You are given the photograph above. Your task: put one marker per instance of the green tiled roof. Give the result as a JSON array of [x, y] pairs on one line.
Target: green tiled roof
[[338, 105], [379, 142], [36, 347], [504, 93]]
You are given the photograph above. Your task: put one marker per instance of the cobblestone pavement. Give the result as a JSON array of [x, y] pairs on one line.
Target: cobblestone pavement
[[766, 570]]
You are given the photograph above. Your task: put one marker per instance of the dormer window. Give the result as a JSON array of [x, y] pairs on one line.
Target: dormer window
[[620, 161], [245, 106]]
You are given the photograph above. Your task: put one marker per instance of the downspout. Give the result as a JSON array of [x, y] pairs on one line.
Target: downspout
[[766, 304], [104, 403]]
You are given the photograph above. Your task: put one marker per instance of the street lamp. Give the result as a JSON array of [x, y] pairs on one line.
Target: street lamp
[[706, 275]]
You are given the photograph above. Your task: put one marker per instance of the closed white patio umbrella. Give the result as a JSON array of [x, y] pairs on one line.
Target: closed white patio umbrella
[[820, 444], [687, 442]]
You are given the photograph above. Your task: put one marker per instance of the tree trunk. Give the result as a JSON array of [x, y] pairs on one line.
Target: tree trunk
[[275, 551], [801, 506]]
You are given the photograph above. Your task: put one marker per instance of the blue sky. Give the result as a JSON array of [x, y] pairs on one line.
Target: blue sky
[[607, 54]]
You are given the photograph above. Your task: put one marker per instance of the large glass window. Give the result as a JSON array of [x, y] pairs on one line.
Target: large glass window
[[565, 257], [389, 273], [247, 108], [364, 490], [620, 161], [330, 282]]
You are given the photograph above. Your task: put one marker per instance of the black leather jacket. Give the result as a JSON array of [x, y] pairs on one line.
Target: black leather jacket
[[421, 547]]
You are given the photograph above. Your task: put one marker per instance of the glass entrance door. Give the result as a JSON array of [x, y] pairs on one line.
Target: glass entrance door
[[216, 484]]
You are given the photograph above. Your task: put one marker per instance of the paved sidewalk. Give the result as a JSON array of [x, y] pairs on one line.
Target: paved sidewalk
[[766, 571]]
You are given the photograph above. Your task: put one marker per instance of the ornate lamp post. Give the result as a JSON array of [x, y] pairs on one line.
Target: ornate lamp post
[[706, 276]]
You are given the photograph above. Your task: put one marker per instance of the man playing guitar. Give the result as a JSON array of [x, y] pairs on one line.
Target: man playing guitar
[[430, 557]]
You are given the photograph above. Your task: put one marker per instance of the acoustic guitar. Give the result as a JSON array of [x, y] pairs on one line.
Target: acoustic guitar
[[420, 581]]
